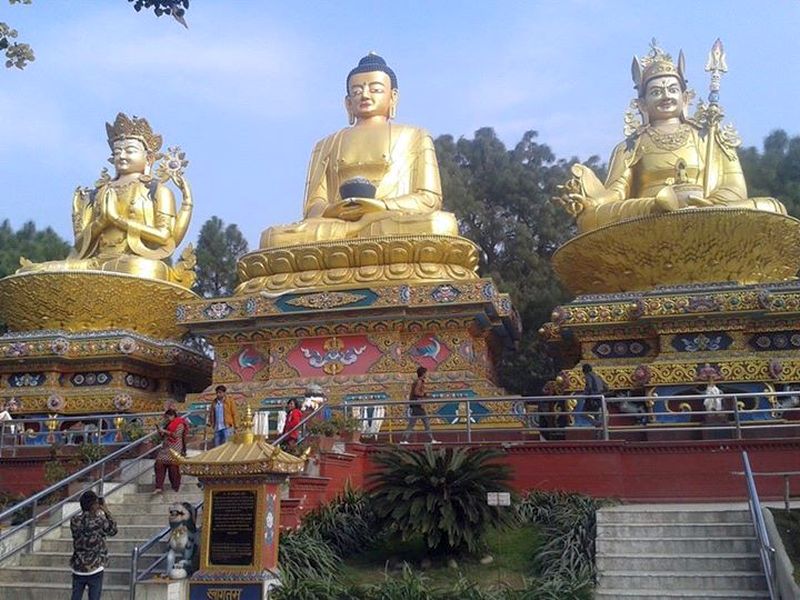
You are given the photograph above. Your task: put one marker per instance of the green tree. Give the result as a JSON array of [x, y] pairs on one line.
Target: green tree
[[36, 245], [502, 199], [218, 249], [440, 495], [775, 170], [20, 54]]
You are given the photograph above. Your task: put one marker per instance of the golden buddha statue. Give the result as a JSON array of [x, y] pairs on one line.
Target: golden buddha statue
[[129, 224], [668, 161], [375, 178]]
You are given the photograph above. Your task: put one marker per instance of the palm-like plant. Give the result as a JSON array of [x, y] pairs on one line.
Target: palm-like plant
[[440, 495]]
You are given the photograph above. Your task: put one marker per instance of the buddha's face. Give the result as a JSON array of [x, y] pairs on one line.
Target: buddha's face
[[130, 156], [663, 99], [370, 95]]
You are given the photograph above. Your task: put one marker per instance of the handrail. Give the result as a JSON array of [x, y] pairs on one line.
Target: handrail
[[18, 430], [138, 551], [765, 550], [105, 475]]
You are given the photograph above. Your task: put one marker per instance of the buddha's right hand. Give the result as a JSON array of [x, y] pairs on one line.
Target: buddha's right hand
[[353, 209]]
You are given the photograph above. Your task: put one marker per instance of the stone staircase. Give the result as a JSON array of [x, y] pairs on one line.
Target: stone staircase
[[46, 574], [689, 551]]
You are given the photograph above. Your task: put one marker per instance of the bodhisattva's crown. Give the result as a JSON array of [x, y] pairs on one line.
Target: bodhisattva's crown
[[125, 127], [657, 63]]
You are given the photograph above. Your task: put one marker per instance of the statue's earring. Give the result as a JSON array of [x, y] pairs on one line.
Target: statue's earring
[[351, 118], [392, 110]]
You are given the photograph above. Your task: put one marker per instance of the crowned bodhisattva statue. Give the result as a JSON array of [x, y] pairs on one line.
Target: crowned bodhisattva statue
[[129, 223], [374, 178], [668, 161]]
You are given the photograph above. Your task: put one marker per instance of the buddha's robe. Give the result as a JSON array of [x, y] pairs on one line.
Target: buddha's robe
[[640, 169], [137, 247], [399, 160]]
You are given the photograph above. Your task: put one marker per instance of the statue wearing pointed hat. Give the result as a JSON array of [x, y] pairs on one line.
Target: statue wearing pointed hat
[[665, 163]]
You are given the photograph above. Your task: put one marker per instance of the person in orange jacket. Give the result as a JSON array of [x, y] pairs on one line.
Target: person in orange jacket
[[222, 416]]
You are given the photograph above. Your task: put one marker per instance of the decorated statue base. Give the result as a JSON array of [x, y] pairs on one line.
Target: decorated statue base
[[93, 342], [359, 262], [363, 344], [684, 247], [672, 340], [241, 516]]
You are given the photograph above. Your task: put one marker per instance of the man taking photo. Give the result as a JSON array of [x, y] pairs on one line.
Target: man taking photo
[[89, 529]]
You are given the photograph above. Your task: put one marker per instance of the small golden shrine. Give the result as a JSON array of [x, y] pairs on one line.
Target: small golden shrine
[[96, 332], [241, 514], [681, 278], [373, 282]]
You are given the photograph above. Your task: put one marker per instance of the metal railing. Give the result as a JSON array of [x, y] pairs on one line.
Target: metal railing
[[102, 473], [765, 549], [611, 418], [138, 552], [55, 430]]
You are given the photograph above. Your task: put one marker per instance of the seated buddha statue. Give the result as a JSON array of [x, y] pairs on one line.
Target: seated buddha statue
[[665, 164], [374, 178], [129, 223]]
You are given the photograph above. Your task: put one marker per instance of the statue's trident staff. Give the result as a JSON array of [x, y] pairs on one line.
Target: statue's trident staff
[[716, 66]]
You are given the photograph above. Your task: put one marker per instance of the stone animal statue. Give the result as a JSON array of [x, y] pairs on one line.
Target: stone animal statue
[[182, 540]]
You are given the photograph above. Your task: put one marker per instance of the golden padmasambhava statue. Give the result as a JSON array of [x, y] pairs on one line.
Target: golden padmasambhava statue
[[372, 179], [668, 161], [129, 223]]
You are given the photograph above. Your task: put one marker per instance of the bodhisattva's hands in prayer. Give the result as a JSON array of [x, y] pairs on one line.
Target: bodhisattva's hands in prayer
[[353, 209]]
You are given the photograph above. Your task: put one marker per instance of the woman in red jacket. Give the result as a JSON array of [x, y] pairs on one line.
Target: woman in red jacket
[[293, 417]]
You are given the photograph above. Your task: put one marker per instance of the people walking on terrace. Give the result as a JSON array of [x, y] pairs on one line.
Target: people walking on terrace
[[222, 416], [416, 411], [174, 435], [594, 388], [7, 426], [89, 530], [294, 415]]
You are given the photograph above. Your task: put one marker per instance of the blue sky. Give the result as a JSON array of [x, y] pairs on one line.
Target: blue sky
[[251, 85]]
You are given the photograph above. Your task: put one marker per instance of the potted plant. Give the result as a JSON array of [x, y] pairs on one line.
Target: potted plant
[[322, 434], [347, 428]]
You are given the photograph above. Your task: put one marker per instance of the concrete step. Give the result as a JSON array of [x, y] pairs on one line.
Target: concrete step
[[166, 498], [681, 580], [139, 532], [157, 507], [45, 560], [634, 594], [674, 513], [116, 544], [677, 545], [59, 574], [55, 591], [682, 529], [154, 519], [652, 563]]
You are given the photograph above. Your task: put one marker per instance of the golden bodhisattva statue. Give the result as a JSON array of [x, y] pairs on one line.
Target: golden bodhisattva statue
[[668, 161], [129, 224], [374, 178]]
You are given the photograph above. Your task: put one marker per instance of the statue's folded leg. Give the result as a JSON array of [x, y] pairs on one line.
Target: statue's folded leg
[[763, 204], [612, 212], [305, 232], [435, 223], [136, 265]]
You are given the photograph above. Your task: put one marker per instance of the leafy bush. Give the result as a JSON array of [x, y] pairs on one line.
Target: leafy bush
[[440, 495], [90, 453], [322, 427], [303, 588], [570, 525], [303, 555], [347, 523]]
